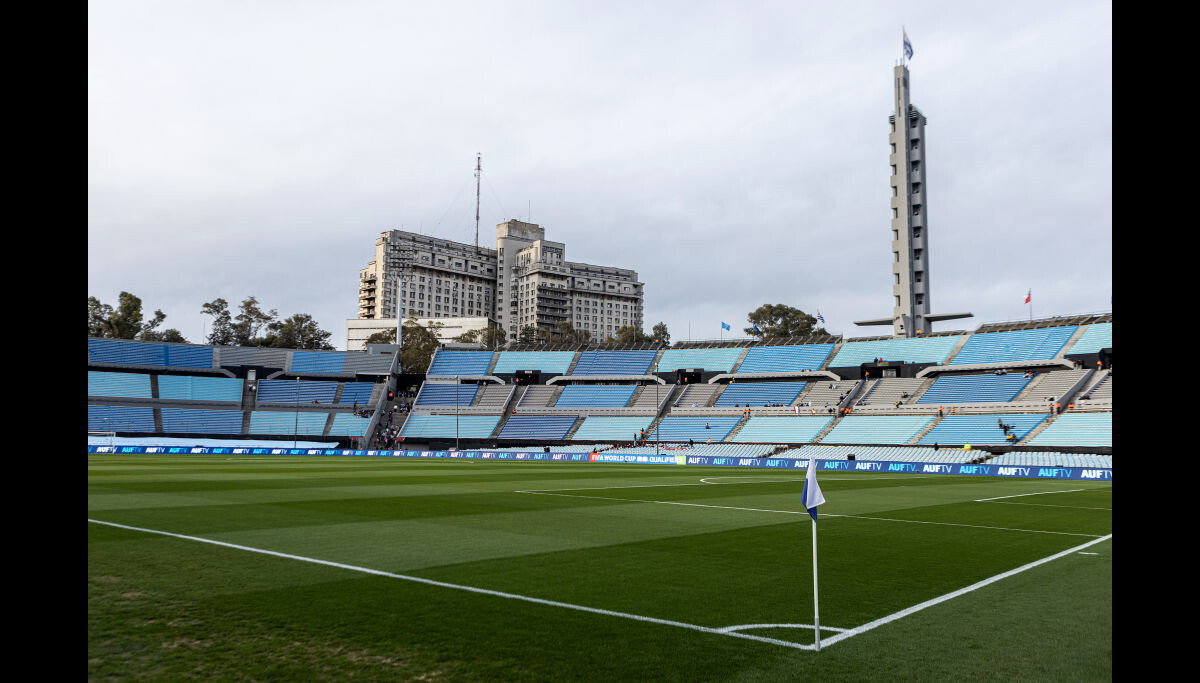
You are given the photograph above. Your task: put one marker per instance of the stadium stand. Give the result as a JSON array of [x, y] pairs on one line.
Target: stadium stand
[[785, 359], [1096, 337], [1014, 346], [120, 419], [615, 362], [699, 429], [189, 388], [268, 422], [610, 428], [447, 426], [119, 384], [439, 395], [981, 429], [917, 350], [586, 395], [547, 362], [457, 363], [990, 388], [121, 352], [719, 360], [537, 427], [1076, 429], [759, 394], [877, 429], [764, 429], [185, 421], [293, 392]]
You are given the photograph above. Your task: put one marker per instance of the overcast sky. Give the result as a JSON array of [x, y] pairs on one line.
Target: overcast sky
[[734, 154]]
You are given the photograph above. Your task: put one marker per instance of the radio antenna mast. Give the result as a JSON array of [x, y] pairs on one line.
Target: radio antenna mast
[[478, 173]]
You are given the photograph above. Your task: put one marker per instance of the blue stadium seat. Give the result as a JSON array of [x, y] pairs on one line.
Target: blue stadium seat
[[785, 358], [759, 393]]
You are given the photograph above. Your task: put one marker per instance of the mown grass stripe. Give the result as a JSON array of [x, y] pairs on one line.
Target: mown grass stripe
[[453, 586]]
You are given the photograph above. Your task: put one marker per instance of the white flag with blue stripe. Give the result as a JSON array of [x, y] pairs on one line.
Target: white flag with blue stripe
[[811, 495], [907, 46]]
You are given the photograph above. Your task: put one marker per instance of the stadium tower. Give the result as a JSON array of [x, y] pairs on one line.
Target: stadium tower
[[910, 220]]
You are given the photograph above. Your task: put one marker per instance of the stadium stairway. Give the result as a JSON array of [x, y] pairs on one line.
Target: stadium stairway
[[954, 351], [828, 428], [511, 408], [737, 428], [738, 363], [1037, 430], [928, 428], [1079, 332]]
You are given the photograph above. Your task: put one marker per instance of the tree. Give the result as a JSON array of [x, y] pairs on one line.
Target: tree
[[387, 336], [169, 335], [780, 321], [299, 331], [491, 337], [527, 335], [565, 333], [221, 333], [251, 321], [419, 345], [632, 335], [660, 334], [125, 321]]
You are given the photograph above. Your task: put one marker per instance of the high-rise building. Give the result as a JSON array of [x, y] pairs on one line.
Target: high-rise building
[[525, 281], [910, 219]]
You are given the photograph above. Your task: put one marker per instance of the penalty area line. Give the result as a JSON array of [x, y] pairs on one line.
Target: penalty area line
[[460, 587]]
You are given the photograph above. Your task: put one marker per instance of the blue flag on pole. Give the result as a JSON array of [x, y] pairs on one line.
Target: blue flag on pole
[[756, 330], [725, 326], [811, 495]]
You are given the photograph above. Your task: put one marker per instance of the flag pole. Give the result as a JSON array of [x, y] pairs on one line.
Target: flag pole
[[816, 593]]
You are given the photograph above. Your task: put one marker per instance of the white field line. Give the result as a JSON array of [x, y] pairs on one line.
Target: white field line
[[962, 591], [1042, 505], [704, 482], [470, 589], [803, 512], [746, 627], [1022, 495]]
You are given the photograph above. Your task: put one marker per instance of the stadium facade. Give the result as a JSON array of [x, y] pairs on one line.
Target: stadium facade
[[524, 281]]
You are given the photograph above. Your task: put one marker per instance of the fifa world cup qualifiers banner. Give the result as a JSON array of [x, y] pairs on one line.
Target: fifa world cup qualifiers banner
[[1020, 471]]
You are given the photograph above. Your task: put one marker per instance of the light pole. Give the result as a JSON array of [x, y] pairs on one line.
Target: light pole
[[657, 440], [457, 384], [296, 424]]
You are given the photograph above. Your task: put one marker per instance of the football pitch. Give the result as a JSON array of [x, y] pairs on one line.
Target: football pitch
[[378, 568]]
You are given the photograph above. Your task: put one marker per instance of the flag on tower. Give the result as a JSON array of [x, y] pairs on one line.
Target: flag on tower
[[907, 45]]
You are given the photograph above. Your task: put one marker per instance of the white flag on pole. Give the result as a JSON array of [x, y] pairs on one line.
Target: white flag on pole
[[811, 495]]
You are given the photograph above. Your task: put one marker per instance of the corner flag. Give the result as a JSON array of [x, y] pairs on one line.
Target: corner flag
[[811, 495]]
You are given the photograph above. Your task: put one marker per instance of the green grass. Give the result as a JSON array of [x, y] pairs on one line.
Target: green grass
[[644, 540]]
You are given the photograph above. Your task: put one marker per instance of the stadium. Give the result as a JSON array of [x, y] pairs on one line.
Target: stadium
[[593, 495], [923, 504]]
